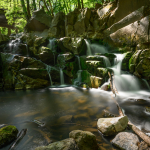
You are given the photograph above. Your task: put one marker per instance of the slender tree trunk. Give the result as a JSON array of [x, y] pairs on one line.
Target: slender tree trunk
[[82, 4], [28, 9], [24, 9], [79, 5], [34, 5], [51, 7], [46, 6]]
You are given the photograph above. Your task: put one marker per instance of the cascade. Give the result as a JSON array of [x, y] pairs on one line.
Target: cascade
[[61, 77], [89, 52], [106, 60], [96, 48], [48, 68], [27, 50], [52, 46], [146, 84], [124, 82], [13, 45], [79, 62]]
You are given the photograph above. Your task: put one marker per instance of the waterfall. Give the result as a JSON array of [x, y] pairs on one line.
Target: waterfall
[[96, 48], [124, 82], [52, 46], [79, 62], [13, 45], [106, 61], [89, 52], [27, 50], [61, 77], [48, 68], [146, 84]]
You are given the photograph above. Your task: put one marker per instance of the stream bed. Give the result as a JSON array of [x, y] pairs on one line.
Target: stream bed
[[65, 109]]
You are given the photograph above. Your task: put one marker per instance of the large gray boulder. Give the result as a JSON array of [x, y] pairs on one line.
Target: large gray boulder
[[67, 144], [126, 141], [85, 140], [111, 126], [39, 21]]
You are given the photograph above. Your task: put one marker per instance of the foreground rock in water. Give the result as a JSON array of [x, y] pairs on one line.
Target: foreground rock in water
[[126, 141], [7, 135], [67, 144], [111, 126], [84, 139]]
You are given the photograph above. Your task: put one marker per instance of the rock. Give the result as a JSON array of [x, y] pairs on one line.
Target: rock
[[85, 140], [137, 33], [126, 141], [74, 45], [85, 77], [143, 146], [65, 119], [39, 21], [7, 135], [111, 126], [57, 29], [80, 27], [67, 144], [95, 81], [147, 109], [97, 6], [125, 7], [105, 87], [134, 16]]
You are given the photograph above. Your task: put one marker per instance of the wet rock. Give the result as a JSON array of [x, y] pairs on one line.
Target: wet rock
[[95, 81], [106, 87], [7, 135], [67, 144], [126, 141], [111, 126], [74, 45], [85, 140], [65, 119], [39, 21], [147, 109], [143, 146]]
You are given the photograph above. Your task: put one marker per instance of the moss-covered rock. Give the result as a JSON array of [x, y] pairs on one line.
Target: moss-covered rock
[[7, 135], [85, 140], [83, 62]]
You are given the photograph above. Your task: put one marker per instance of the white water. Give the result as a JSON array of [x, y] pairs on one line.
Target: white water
[[27, 50], [61, 77], [13, 45], [48, 68], [79, 62], [106, 61], [124, 82], [52, 46], [96, 48], [146, 83], [89, 52]]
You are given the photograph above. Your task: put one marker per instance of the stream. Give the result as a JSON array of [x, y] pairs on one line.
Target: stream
[[65, 109]]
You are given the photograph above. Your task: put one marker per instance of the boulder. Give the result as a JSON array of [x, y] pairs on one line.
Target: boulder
[[7, 135], [80, 27], [125, 7], [74, 45], [39, 21], [111, 126], [67, 144], [21, 72], [126, 141], [131, 34], [105, 86], [95, 81], [57, 29], [147, 109], [85, 140]]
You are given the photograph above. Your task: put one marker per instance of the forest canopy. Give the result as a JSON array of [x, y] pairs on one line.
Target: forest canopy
[[18, 12]]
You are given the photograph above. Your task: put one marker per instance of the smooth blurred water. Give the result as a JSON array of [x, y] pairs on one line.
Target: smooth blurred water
[[49, 105]]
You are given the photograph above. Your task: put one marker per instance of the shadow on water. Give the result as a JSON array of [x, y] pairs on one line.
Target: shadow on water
[[63, 110]]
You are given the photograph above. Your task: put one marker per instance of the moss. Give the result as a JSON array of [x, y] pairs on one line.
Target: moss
[[7, 134]]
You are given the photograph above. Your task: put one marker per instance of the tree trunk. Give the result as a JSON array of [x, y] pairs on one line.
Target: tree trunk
[[34, 5], [24, 9], [46, 6], [79, 5], [51, 8], [82, 4], [9, 31], [28, 9]]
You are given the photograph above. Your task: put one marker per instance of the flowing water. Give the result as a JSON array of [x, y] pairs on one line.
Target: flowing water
[[48, 68], [89, 52], [61, 77], [106, 61]]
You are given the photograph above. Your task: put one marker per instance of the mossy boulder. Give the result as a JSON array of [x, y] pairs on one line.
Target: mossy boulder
[[85, 140], [7, 135]]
